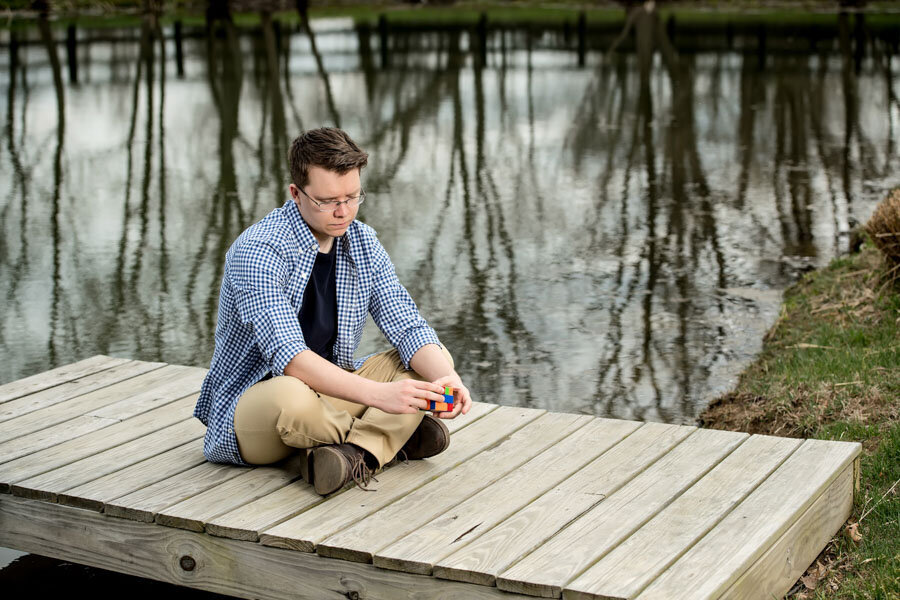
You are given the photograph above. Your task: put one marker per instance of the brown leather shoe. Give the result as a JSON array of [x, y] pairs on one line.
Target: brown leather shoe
[[431, 437], [336, 465]]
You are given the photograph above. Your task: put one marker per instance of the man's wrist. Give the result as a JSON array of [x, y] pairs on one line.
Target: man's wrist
[[367, 393]]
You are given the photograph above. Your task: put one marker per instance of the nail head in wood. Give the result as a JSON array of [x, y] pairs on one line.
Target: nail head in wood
[[188, 563]]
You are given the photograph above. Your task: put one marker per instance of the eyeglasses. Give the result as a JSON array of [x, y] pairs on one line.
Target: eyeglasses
[[333, 204]]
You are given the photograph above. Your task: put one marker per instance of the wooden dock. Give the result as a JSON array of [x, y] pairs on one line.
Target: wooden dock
[[101, 463]]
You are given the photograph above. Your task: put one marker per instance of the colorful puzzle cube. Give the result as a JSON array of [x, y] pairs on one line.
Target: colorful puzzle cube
[[450, 394]]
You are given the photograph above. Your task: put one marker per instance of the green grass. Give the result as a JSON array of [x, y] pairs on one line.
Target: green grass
[[830, 369], [871, 566]]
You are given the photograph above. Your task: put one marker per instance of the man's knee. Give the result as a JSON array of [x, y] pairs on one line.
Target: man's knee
[[293, 396]]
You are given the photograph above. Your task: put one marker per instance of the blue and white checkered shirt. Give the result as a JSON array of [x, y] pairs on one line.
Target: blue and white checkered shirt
[[258, 332]]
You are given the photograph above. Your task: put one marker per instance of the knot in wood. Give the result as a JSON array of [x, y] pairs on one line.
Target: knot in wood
[[353, 595], [188, 563]]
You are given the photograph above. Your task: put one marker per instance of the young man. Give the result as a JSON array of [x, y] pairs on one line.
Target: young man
[[296, 290]]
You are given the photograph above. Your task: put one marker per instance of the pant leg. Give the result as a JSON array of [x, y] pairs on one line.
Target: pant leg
[[381, 433], [276, 416]]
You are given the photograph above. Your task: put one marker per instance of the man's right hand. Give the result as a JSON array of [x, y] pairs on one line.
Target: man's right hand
[[406, 396]]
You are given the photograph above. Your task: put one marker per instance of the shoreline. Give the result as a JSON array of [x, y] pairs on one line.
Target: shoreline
[[690, 13], [828, 370]]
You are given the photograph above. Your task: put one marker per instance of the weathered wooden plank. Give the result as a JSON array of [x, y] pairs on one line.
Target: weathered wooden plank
[[545, 571], [714, 563], [359, 541], [54, 377], [204, 562], [143, 504], [478, 410], [485, 557], [94, 494], [192, 513], [54, 434], [634, 563], [177, 384], [42, 428], [96, 441], [777, 570], [76, 387], [246, 521], [429, 542], [48, 485], [68, 411], [309, 528]]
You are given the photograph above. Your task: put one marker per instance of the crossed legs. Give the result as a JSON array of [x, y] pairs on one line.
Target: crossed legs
[[277, 416]]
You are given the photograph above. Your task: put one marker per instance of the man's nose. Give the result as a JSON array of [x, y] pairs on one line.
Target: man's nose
[[342, 210]]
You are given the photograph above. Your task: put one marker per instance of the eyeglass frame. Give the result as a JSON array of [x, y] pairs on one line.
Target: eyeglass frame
[[318, 203]]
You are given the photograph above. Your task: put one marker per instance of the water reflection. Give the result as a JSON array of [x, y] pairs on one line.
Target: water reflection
[[594, 218]]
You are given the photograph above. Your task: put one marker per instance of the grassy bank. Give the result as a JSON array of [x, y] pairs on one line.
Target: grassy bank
[[830, 369]]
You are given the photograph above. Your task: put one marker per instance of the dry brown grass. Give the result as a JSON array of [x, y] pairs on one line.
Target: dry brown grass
[[884, 230], [800, 411]]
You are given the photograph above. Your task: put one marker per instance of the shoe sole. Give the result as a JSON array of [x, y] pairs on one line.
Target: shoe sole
[[330, 469]]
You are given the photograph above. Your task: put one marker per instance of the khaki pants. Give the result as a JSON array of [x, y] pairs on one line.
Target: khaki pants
[[276, 416]]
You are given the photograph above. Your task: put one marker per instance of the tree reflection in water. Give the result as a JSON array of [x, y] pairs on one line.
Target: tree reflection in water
[[593, 219]]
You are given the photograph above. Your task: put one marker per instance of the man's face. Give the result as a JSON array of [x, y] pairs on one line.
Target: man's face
[[327, 186]]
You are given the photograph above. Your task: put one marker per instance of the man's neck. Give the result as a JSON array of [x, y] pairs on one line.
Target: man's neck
[[325, 242]]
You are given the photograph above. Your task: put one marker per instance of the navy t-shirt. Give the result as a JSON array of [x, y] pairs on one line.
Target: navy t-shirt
[[318, 313]]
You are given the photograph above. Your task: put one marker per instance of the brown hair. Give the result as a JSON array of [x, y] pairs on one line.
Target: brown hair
[[327, 147]]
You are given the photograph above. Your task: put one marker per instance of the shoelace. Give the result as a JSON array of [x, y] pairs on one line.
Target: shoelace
[[401, 456], [362, 474]]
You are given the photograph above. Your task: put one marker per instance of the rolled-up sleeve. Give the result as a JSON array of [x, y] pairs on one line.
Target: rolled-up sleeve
[[258, 276], [394, 311]]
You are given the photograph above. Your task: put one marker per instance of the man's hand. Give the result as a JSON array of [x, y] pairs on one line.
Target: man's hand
[[464, 401], [406, 396]]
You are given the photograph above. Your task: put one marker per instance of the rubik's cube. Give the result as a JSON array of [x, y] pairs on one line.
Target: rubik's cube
[[450, 394]]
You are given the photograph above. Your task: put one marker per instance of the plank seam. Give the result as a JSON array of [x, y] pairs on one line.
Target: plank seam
[[262, 531], [481, 416], [14, 485], [192, 441], [50, 413], [661, 508], [305, 508], [111, 383], [719, 520], [456, 466], [383, 562], [479, 489], [225, 528], [61, 382], [67, 499], [775, 537], [778, 537], [203, 524], [592, 506], [561, 482]]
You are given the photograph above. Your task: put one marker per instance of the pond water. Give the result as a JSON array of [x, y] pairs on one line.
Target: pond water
[[597, 220]]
